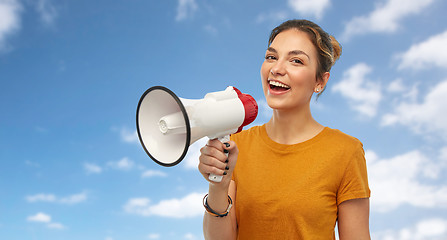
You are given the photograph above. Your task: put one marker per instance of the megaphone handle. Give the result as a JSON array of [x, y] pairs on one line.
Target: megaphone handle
[[214, 177]]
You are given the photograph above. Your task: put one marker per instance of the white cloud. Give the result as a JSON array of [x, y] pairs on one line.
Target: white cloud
[[211, 29], [399, 180], [363, 94], [431, 228], [45, 218], [39, 217], [396, 86], [72, 199], [123, 164], [92, 168], [153, 236], [429, 53], [185, 9], [32, 164], [274, 16], [153, 173], [129, 136], [430, 116], [41, 198], [47, 11], [427, 229], [55, 226], [186, 207], [314, 8], [189, 236], [9, 20], [385, 18], [443, 154], [400, 91]]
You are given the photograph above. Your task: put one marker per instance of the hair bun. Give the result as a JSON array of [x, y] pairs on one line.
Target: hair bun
[[336, 49]]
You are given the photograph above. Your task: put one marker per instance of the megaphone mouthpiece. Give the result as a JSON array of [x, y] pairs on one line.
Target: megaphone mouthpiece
[[172, 123], [250, 108]]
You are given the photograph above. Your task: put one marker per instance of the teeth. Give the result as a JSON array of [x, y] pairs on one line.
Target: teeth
[[278, 84]]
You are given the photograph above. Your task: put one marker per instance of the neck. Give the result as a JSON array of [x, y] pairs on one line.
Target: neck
[[291, 127]]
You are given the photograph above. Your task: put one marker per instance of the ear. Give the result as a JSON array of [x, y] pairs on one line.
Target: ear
[[321, 83]]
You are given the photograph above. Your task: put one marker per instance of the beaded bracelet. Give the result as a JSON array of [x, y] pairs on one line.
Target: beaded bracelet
[[214, 213]]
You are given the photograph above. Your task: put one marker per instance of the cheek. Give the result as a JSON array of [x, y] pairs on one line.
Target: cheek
[[264, 74], [264, 71], [303, 78]]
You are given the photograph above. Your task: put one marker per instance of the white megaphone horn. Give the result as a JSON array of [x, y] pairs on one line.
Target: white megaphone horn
[[167, 125]]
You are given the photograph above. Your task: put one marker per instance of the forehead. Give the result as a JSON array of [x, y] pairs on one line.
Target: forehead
[[293, 39]]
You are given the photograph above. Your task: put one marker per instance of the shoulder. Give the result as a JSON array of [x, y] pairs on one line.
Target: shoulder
[[244, 135], [339, 138], [341, 144]]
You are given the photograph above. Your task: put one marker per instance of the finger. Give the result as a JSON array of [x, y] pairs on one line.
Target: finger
[[208, 169], [230, 146], [213, 152], [212, 161], [215, 143], [233, 152]]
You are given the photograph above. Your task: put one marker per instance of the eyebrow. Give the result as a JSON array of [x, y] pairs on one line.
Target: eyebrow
[[293, 52]]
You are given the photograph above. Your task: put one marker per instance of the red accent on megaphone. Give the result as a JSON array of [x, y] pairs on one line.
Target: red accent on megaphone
[[250, 108]]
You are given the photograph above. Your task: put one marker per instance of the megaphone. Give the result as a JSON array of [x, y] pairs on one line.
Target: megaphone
[[167, 125]]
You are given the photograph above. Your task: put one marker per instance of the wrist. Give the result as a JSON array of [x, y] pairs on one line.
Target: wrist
[[220, 188], [213, 212], [218, 197]]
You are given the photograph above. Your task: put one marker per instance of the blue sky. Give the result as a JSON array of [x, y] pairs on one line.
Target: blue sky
[[72, 73]]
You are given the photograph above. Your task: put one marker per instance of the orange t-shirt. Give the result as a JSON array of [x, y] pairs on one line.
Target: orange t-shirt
[[293, 191]]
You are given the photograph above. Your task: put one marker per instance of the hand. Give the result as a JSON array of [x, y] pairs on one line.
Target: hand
[[213, 160]]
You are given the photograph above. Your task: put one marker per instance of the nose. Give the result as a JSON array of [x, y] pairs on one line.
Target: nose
[[278, 69]]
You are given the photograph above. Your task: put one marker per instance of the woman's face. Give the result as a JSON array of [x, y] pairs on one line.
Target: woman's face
[[288, 72]]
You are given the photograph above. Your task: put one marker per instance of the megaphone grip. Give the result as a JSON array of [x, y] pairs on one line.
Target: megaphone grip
[[214, 177]]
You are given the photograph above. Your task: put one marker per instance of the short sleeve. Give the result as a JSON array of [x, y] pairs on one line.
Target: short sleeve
[[233, 138], [354, 183]]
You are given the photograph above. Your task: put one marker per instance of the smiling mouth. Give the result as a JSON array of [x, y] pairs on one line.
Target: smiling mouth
[[278, 86]]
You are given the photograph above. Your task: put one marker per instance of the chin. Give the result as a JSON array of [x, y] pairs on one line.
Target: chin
[[274, 103]]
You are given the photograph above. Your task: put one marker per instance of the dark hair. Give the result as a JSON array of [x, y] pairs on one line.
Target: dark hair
[[329, 49]]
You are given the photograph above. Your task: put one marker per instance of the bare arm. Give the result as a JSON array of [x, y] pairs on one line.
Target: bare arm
[[213, 160], [225, 227], [353, 219]]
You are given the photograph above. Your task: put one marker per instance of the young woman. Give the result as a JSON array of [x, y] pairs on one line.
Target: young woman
[[294, 178]]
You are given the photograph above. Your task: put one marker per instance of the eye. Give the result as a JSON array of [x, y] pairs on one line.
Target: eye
[[297, 61], [270, 57]]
